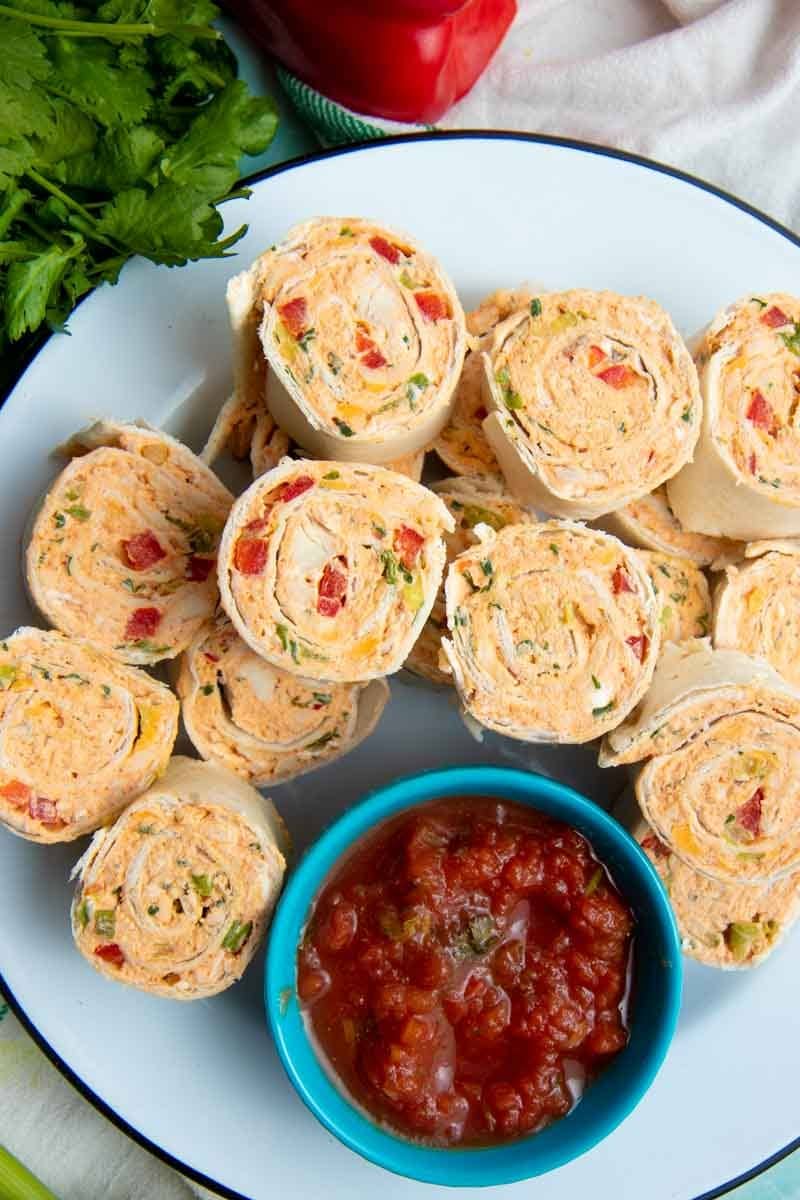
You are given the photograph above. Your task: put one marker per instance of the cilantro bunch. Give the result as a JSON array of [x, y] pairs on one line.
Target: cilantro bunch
[[122, 125]]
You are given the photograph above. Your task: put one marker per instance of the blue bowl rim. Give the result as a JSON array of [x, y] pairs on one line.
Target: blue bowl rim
[[434, 1165]]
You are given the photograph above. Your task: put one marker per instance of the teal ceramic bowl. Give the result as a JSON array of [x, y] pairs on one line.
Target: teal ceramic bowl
[[607, 1102]]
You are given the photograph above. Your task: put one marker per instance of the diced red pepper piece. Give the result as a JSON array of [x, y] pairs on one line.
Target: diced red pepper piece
[[257, 525], [655, 846], [596, 355], [748, 814], [638, 645], [332, 590], [199, 569], [371, 356], [618, 376], [480, 413], [16, 793], [620, 581], [294, 314], [46, 811], [774, 317], [385, 249], [142, 624], [250, 555], [407, 543], [432, 306], [293, 488], [373, 360], [110, 952], [752, 464], [142, 551], [760, 413], [211, 657]]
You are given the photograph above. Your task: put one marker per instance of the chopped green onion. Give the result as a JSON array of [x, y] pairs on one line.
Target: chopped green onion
[[152, 909], [7, 676], [202, 885], [82, 914], [536, 307], [79, 512], [236, 936], [594, 882], [207, 689], [105, 922], [343, 427], [60, 520], [332, 475], [596, 682], [601, 712]]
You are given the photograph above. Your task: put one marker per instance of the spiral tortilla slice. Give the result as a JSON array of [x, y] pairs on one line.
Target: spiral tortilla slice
[[80, 735], [650, 524], [553, 631], [722, 788], [744, 481], [246, 431], [123, 548], [683, 591], [727, 925], [262, 723], [176, 896], [470, 501], [364, 335], [595, 401], [462, 444], [757, 607], [329, 570]]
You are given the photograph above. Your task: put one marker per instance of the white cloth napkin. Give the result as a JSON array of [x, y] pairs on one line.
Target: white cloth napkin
[[712, 86]]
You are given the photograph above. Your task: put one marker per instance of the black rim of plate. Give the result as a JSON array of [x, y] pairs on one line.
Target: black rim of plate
[[258, 177]]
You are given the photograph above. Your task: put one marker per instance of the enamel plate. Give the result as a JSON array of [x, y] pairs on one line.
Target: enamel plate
[[200, 1084]]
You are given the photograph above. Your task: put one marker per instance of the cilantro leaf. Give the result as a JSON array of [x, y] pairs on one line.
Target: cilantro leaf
[[170, 225], [31, 284], [120, 158], [206, 158], [88, 73]]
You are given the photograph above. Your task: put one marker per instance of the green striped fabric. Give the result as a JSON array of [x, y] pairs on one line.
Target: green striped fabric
[[332, 125]]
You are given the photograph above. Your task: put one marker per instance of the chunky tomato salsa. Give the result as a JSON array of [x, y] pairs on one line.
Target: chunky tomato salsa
[[464, 972]]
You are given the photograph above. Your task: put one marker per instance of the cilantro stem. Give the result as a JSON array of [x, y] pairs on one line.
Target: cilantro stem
[[54, 190], [73, 205], [102, 29]]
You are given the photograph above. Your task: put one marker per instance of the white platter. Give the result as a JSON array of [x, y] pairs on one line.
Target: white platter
[[200, 1084]]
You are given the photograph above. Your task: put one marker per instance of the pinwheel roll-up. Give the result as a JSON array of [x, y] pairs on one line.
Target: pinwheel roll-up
[[721, 788], [595, 401], [757, 606], [263, 723], [650, 524], [471, 501], [554, 631], [682, 589], [329, 570], [462, 444], [364, 335], [727, 925], [80, 735], [246, 431], [123, 548], [175, 897], [744, 481]]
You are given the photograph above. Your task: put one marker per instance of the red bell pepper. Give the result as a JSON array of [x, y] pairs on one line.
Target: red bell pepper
[[406, 60]]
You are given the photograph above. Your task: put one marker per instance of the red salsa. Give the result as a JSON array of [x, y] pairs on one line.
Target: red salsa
[[464, 972]]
